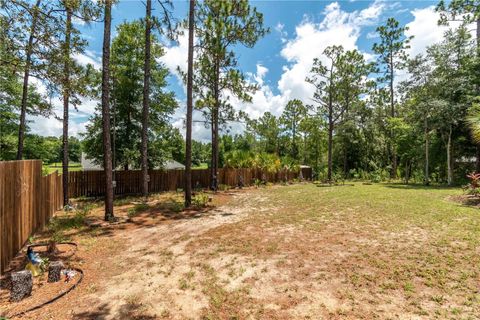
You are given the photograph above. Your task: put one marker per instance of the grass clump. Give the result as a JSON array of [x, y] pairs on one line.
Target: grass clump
[[136, 209], [200, 200]]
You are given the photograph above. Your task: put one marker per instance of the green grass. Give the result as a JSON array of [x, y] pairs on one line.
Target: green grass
[[57, 166], [388, 246], [201, 166]]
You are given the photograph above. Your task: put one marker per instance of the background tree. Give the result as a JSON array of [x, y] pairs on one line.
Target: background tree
[[188, 135], [222, 26], [392, 56], [107, 146], [338, 85], [72, 79], [127, 65], [150, 22], [291, 117], [33, 35], [465, 11]]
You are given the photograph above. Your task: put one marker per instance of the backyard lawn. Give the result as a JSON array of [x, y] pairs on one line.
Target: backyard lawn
[[354, 251]]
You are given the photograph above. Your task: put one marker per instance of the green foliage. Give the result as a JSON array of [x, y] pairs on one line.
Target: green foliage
[[127, 60], [200, 200], [473, 187], [136, 209]]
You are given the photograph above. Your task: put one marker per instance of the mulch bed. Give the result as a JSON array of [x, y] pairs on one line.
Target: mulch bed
[[42, 291]]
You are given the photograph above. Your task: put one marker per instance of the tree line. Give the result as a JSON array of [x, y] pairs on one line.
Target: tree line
[[364, 118]]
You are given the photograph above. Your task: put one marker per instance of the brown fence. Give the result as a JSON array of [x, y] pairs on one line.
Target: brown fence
[[92, 183], [27, 201]]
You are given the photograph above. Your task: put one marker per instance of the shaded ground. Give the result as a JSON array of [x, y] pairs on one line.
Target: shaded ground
[[285, 252]]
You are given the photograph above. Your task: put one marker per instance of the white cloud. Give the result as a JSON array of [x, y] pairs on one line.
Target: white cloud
[[283, 34], [176, 56], [78, 21], [88, 57], [260, 75], [337, 28], [425, 29]]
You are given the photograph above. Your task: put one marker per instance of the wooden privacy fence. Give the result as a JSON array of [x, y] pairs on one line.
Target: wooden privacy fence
[[27, 201], [92, 183]]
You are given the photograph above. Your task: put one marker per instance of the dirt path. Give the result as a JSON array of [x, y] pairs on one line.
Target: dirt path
[[156, 267]]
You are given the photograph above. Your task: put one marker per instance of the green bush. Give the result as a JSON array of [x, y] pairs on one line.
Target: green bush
[[136, 209], [223, 187], [200, 200]]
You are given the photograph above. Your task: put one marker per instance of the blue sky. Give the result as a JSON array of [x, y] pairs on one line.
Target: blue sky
[[300, 31]]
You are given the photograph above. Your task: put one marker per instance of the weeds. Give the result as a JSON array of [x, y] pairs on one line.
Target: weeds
[[136, 209], [200, 200]]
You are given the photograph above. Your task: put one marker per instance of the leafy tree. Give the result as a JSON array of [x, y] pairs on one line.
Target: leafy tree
[[452, 58], [73, 80], [338, 85], [291, 117], [392, 56], [127, 64], [150, 23], [32, 31], [465, 11], [267, 129], [222, 26]]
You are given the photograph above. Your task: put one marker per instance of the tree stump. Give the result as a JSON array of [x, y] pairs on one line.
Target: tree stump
[[52, 248], [55, 271], [22, 283]]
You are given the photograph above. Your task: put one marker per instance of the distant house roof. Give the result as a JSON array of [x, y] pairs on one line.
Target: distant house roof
[[172, 164], [89, 164]]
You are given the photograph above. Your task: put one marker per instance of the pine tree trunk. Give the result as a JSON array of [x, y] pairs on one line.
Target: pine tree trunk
[[449, 159], [66, 101], [477, 163], [215, 140], [26, 75], [107, 148], [427, 160], [392, 106], [146, 98], [330, 147], [188, 135]]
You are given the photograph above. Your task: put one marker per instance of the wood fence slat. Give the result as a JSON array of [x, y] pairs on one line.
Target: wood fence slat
[[92, 183], [27, 202]]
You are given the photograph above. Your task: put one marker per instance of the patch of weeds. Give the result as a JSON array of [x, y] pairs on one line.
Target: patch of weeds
[[223, 187], [136, 209], [92, 288], [456, 311], [183, 284], [186, 282], [122, 201], [438, 299], [67, 222], [165, 314], [200, 200], [177, 206], [408, 287]]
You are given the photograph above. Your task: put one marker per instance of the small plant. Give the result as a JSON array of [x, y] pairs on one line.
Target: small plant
[[177, 206], [473, 187], [200, 200], [223, 187], [258, 183], [136, 209]]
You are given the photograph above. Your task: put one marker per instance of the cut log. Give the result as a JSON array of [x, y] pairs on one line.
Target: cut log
[[55, 271], [22, 283]]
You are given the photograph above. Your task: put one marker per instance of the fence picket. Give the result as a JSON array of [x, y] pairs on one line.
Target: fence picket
[[27, 201]]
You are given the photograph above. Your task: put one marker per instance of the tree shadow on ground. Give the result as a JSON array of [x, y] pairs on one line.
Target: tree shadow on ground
[[418, 186], [129, 310]]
